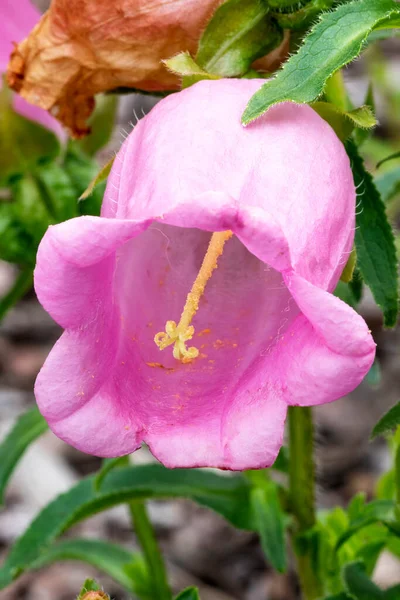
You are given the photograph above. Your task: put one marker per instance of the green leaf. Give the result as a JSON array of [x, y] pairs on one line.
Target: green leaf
[[388, 422], [341, 596], [16, 245], [334, 41], [30, 208], [23, 143], [386, 486], [57, 191], [358, 584], [82, 170], [390, 157], [25, 431], [101, 122], [361, 135], [392, 593], [191, 593], [140, 576], [336, 118], [90, 585], [269, 520], [369, 554], [376, 251], [374, 512], [109, 558], [228, 496], [356, 506], [99, 178], [342, 121], [344, 292], [183, 64], [238, 33], [388, 184]]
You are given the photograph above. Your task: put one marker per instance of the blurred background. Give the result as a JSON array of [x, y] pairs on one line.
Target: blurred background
[[200, 547]]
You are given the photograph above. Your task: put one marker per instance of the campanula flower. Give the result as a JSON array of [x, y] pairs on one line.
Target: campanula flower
[[198, 307]]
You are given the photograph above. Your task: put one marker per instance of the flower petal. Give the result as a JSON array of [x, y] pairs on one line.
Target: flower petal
[[328, 349], [75, 266], [289, 164], [248, 437]]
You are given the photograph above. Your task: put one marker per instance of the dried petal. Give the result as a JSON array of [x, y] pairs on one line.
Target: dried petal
[[82, 48]]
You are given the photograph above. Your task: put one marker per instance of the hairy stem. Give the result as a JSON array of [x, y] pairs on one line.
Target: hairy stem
[[302, 495]]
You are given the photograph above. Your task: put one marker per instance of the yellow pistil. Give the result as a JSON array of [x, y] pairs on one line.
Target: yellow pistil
[[184, 331]]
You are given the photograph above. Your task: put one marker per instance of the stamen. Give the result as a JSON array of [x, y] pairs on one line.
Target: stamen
[[184, 331]]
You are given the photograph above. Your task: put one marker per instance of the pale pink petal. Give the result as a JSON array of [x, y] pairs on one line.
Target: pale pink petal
[[268, 332], [328, 349]]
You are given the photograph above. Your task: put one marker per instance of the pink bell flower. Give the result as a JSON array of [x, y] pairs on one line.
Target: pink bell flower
[[17, 20], [204, 378]]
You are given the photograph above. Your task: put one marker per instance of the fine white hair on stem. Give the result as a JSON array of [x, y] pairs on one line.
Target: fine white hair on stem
[[360, 184], [359, 203], [136, 117]]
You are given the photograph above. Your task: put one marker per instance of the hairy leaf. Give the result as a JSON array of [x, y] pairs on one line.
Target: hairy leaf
[[25, 431], [228, 496], [334, 41], [376, 252]]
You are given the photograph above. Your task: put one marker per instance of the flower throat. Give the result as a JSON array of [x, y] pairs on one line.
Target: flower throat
[[179, 334]]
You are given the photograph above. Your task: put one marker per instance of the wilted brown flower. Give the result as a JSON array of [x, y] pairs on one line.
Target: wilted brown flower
[[80, 48]]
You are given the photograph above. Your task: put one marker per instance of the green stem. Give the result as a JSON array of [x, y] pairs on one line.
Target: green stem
[[22, 285], [302, 494], [147, 540], [335, 91]]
